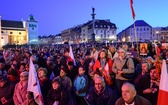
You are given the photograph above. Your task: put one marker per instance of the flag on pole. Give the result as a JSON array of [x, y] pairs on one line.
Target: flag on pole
[[33, 84], [106, 74], [132, 9], [163, 88], [71, 55]]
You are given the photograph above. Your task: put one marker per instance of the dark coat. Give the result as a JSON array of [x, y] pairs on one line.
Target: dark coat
[[107, 97], [7, 91], [59, 95], [143, 84], [138, 101], [45, 86]]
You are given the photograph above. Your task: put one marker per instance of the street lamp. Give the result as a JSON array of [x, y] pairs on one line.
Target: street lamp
[[123, 39], [157, 33]]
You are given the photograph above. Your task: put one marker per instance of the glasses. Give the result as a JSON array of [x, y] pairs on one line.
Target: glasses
[[98, 83], [22, 76], [120, 52]]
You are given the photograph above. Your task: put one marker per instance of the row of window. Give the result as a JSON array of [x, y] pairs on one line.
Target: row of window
[[11, 32], [32, 25], [105, 26]]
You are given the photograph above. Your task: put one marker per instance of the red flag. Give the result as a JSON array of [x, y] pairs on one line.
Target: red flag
[[106, 74], [72, 55], [132, 9], [163, 88], [33, 84]]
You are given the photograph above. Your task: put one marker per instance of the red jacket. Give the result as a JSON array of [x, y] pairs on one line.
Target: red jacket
[[98, 65]]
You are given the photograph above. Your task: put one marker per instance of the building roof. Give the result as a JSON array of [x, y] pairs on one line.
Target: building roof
[[101, 24], [11, 24], [139, 23]]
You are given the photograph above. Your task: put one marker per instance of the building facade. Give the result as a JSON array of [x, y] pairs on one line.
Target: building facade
[[32, 30], [104, 31], [140, 32], [18, 32]]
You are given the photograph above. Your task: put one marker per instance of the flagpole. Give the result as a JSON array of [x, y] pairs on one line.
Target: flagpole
[[136, 39], [133, 16]]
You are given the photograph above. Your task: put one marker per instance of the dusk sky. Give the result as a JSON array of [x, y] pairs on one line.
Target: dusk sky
[[56, 15]]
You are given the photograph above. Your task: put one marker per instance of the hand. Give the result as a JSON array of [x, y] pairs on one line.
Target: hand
[[3, 100], [119, 72], [56, 103], [77, 92], [147, 91], [100, 69]]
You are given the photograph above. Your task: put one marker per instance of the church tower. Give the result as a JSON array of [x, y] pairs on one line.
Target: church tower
[[32, 30]]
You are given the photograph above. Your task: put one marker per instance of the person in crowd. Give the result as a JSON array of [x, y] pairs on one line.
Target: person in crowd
[[94, 54], [148, 86], [3, 69], [66, 81], [112, 52], [72, 70], [81, 86], [130, 97], [52, 70], [2, 60], [66, 58], [17, 56], [57, 95], [7, 57], [100, 93], [150, 61], [42, 60], [20, 91], [104, 65], [13, 75], [21, 68], [28, 55], [119, 69], [6, 91], [27, 67], [143, 72], [45, 83]]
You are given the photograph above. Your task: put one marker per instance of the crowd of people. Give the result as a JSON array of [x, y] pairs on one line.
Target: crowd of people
[[99, 75]]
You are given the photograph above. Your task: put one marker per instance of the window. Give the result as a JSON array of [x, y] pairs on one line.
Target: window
[[32, 28], [101, 35], [96, 31], [11, 32], [2, 32], [101, 31], [101, 26], [19, 33], [137, 29], [144, 29], [83, 30]]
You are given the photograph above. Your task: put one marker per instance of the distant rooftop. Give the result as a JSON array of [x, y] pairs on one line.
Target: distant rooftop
[[11, 23], [139, 23]]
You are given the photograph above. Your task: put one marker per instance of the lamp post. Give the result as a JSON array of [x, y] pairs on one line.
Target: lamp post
[[93, 24], [157, 33]]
